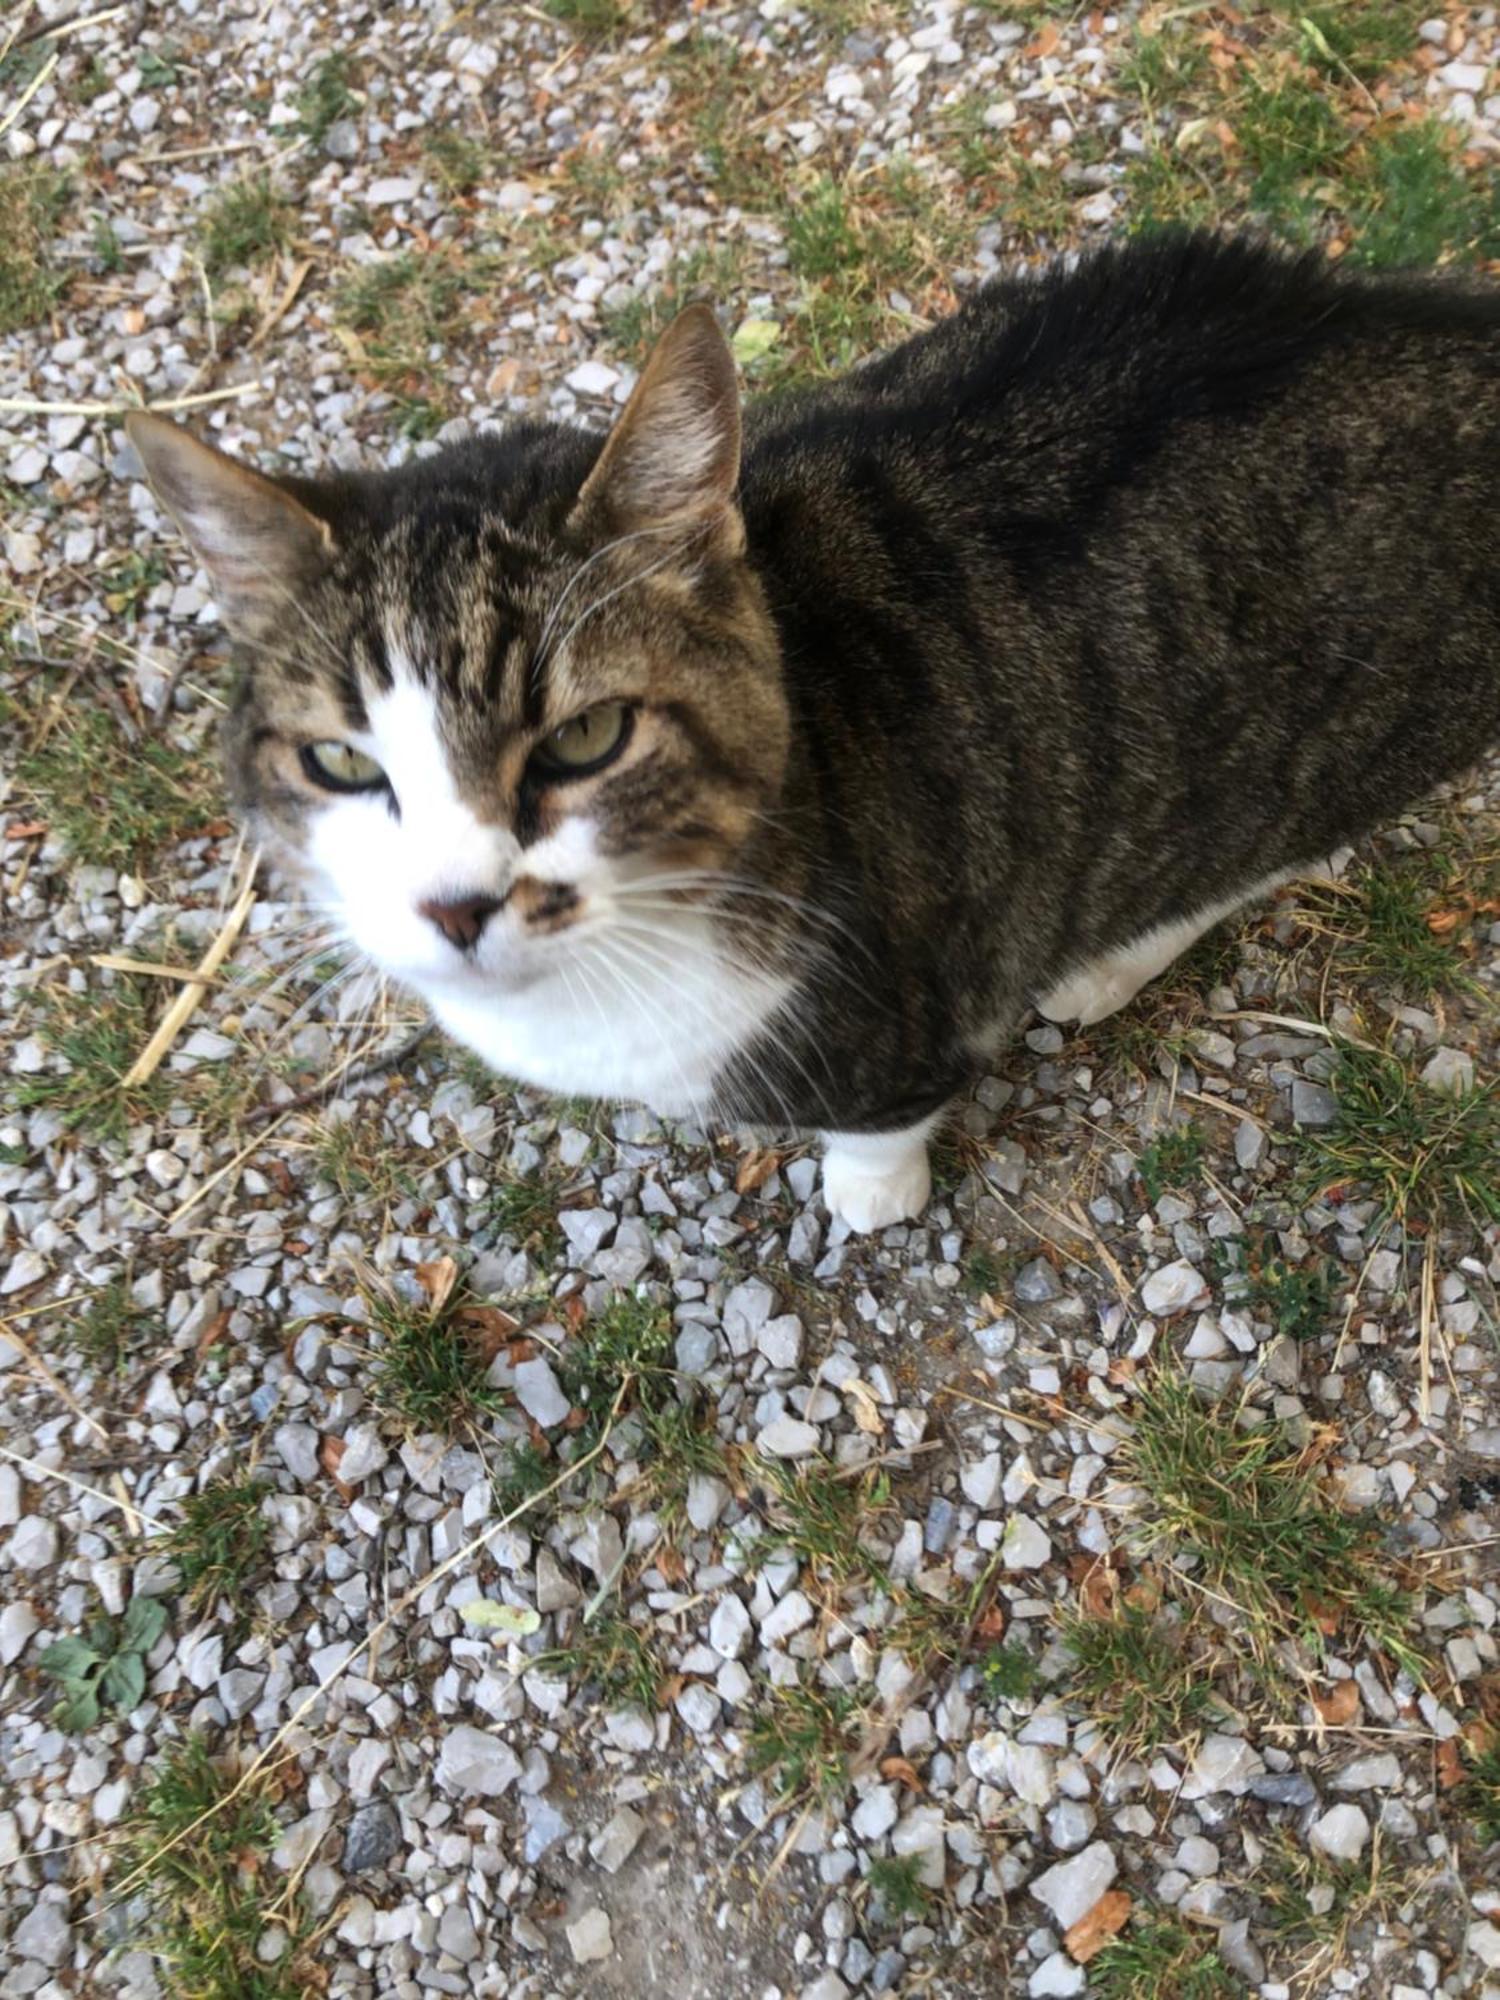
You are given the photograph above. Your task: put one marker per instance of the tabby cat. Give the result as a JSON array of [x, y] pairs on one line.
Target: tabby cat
[[770, 770]]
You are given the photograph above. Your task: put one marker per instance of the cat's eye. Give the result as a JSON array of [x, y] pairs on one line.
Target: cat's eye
[[339, 767], [586, 743]]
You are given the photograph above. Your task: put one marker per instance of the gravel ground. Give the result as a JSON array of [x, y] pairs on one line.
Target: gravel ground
[[481, 1801]]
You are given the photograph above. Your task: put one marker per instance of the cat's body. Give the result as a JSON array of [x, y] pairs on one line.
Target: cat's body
[[1002, 668]]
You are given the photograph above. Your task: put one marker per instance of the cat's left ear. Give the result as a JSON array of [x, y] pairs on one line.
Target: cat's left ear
[[673, 459], [258, 541]]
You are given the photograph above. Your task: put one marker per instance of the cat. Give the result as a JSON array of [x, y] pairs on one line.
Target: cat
[[769, 767]]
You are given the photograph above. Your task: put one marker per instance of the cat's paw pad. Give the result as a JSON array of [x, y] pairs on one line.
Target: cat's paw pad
[[869, 1199]]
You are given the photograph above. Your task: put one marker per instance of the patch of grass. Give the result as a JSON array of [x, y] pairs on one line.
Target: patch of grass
[[596, 18], [525, 1208], [1295, 1298], [1009, 1673], [1355, 38], [946, 1630], [897, 1890], [32, 200], [108, 249], [1425, 1155], [616, 1657], [106, 1666], [1379, 922], [1159, 1955], [115, 802], [1478, 1797], [1246, 1508], [431, 1366], [983, 1272], [325, 98], [200, 1849], [634, 326], [726, 98], [457, 161], [97, 1035], [1291, 138], [1312, 1903], [804, 1738], [1171, 1160], [108, 1327], [245, 223], [1417, 206], [1134, 1675], [356, 1157], [405, 306], [159, 68], [622, 1357], [220, 1539], [820, 1514], [1166, 64]]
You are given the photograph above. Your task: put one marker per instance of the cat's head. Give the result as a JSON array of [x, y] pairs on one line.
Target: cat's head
[[496, 700]]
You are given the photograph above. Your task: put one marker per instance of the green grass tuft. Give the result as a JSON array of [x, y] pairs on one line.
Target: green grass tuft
[[1245, 1507], [245, 223], [1135, 1677], [109, 1327], [1009, 1673], [1425, 1155], [1159, 1956], [200, 1848], [1478, 1797], [1419, 207], [1296, 1299], [430, 1368], [457, 161], [897, 1890], [597, 18], [804, 1739], [97, 1035], [325, 98], [219, 1543], [612, 1655], [1172, 1160], [32, 200], [115, 803]]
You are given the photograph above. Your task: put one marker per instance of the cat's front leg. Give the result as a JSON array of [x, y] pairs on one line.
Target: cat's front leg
[[872, 1179]]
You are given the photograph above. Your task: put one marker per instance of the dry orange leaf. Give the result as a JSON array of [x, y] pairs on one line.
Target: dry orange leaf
[[756, 1168], [25, 829], [1450, 1766], [437, 1280], [1047, 39], [900, 1767], [331, 1457], [1097, 1926], [1339, 1705]]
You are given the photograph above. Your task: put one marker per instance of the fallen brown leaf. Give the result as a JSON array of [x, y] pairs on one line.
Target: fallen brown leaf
[[900, 1768], [1339, 1705], [330, 1457], [756, 1168], [1097, 1926], [437, 1280]]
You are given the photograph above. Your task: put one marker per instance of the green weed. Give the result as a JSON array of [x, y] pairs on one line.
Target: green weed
[[597, 18], [97, 1036], [431, 1366], [457, 161], [107, 1328], [403, 307], [614, 1656], [107, 1667], [1478, 1797], [1295, 1298], [115, 802], [1172, 1160], [1009, 1673], [1416, 206], [896, 1888], [821, 1513], [524, 1208]]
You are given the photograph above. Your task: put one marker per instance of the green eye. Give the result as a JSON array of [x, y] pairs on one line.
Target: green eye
[[587, 743], [338, 767]]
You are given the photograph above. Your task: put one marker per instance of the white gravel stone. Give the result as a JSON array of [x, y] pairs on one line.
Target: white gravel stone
[[1025, 1544], [477, 1764], [789, 1615], [589, 1937], [539, 1392], [788, 1437], [1343, 1833], [33, 1542], [593, 378], [1071, 1888], [364, 1454], [1222, 1764], [980, 1480], [617, 1840], [1175, 1288], [729, 1628], [1056, 1978]]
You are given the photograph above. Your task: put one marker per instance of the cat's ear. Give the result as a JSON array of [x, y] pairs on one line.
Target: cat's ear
[[257, 541], [673, 459]]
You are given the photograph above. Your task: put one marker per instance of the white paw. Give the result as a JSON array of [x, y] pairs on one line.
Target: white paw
[[1091, 995], [867, 1197]]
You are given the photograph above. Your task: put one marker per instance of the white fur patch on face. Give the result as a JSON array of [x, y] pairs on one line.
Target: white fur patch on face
[[620, 1004]]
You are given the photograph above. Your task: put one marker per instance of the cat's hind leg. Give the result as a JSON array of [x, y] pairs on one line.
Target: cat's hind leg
[[1112, 980], [872, 1179]]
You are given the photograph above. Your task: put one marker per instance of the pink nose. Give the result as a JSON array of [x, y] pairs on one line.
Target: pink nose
[[461, 922]]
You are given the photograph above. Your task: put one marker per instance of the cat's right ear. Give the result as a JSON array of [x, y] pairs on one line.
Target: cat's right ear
[[673, 459], [258, 542]]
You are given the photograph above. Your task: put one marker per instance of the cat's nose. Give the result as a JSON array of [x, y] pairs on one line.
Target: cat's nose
[[461, 922]]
